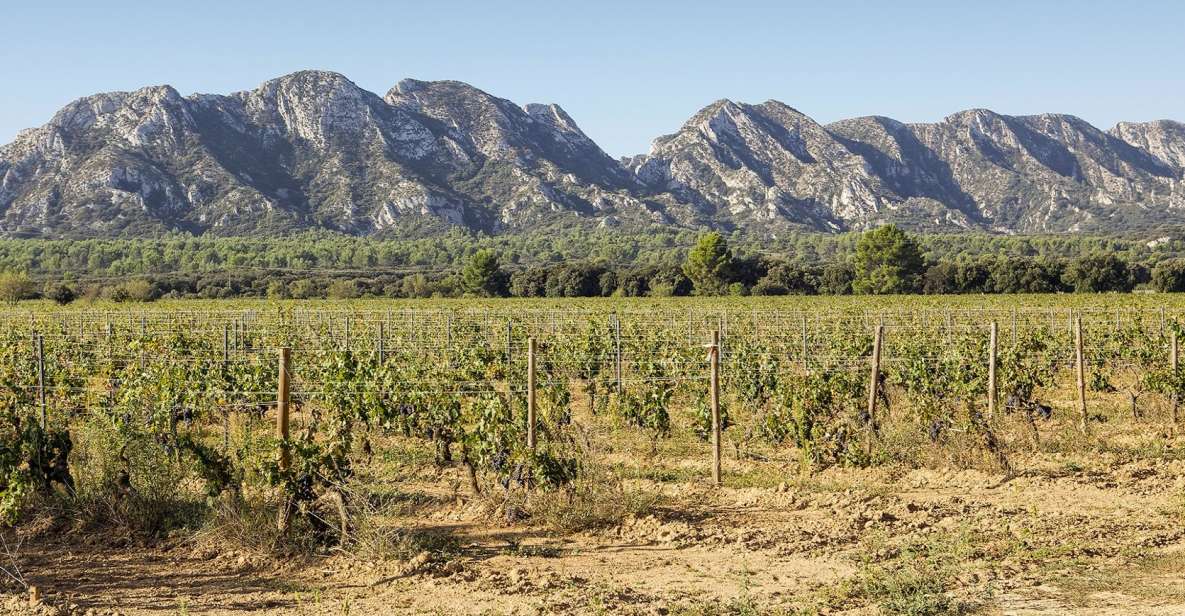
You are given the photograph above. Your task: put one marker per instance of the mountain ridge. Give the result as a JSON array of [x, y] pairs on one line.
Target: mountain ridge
[[312, 149]]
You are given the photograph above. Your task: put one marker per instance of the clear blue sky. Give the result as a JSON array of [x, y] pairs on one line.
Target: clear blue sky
[[626, 71]]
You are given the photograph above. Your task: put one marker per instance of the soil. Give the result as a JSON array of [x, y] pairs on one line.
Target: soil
[[1100, 534]]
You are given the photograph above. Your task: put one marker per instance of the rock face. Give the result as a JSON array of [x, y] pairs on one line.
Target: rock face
[[768, 164], [313, 150], [306, 150]]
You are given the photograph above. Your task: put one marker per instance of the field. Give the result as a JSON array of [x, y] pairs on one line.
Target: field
[[547, 456]]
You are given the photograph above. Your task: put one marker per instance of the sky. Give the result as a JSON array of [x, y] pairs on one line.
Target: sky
[[627, 72]]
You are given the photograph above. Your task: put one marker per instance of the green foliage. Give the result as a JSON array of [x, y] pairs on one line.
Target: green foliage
[[1099, 273], [343, 289], [917, 583], [1169, 276], [887, 261], [60, 293], [482, 275], [15, 286], [647, 405], [819, 413], [709, 265], [138, 290]]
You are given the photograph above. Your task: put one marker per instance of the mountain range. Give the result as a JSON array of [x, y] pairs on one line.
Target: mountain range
[[313, 150]]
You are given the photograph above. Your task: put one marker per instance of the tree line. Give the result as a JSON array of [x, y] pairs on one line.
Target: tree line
[[886, 260], [656, 246]]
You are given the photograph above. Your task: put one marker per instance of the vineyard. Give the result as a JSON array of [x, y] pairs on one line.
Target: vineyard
[[180, 407]]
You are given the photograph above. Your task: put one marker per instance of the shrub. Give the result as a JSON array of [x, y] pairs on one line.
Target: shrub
[[60, 292], [343, 289], [16, 286], [302, 289], [276, 289], [1169, 276], [138, 290]]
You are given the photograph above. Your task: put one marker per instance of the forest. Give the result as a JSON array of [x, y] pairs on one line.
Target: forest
[[321, 265]]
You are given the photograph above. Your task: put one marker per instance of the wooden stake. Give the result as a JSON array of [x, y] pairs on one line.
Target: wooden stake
[[992, 394], [382, 336], [509, 345], [1014, 327], [804, 344], [282, 398], [617, 351], [531, 394], [41, 379], [225, 377], [714, 362], [1174, 364], [875, 380], [1081, 372]]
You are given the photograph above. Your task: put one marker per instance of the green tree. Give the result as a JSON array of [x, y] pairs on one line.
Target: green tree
[[528, 282], [1098, 273], [887, 261], [482, 275], [836, 279], [60, 292], [709, 265], [138, 290], [15, 286], [415, 285], [1169, 276]]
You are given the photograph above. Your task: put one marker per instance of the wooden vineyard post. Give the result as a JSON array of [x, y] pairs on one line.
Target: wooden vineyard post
[[1014, 327], [1175, 365], [874, 382], [381, 350], [282, 399], [346, 345], [804, 345], [41, 379], [1080, 365], [720, 327], [225, 379], [509, 345], [617, 352], [992, 395], [531, 394], [714, 384]]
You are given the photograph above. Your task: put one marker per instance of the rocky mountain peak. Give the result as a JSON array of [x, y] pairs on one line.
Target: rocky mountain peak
[[1163, 139], [313, 149]]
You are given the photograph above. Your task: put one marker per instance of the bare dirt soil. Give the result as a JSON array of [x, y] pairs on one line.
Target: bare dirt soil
[[1104, 535], [1084, 525]]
